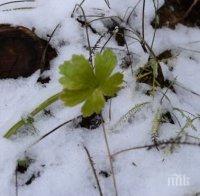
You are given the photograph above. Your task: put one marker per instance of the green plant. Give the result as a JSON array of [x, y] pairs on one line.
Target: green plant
[[82, 83]]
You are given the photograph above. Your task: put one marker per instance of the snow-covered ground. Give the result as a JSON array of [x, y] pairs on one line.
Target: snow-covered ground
[[60, 159]]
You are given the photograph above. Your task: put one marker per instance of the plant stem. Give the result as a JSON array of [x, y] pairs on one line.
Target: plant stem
[[13, 130]]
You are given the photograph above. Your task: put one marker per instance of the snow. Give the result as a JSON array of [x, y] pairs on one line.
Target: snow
[[60, 158]]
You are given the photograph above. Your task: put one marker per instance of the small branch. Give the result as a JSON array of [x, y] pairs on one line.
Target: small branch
[[93, 170]]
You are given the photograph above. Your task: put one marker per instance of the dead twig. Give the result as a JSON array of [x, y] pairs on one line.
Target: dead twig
[[106, 42], [52, 131], [93, 170], [16, 183], [107, 3], [86, 29], [20, 1], [46, 47], [160, 143], [128, 18], [143, 16], [109, 157]]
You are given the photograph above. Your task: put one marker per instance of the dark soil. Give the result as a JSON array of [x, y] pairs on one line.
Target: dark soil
[[186, 12], [167, 118], [91, 122], [105, 174], [145, 73], [22, 52]]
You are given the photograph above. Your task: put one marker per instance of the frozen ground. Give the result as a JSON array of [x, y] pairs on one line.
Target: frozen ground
[[60, 158]]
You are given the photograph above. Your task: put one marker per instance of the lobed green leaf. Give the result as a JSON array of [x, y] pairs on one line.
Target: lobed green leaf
[[104, 65], [77, 73], [83, 84]]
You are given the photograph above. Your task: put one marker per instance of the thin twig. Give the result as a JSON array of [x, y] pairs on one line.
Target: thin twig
[[98, 42], [109, 157], [110, 110], [186, 89], [143, 16], [52, 131], [149, 146], [46, 47], [72, 14], [86, 29], [93, 170], [107, 3], [10, 2], [16, 183], [106, 43], [169, 86], [154, 34], [18, 9], [127, 20], [129, 56]]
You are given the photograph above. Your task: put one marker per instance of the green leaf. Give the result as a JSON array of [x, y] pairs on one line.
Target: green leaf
[[94, 103], [112, 85], [104, 65], [77, 73], [74, 97], [83, 84]]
